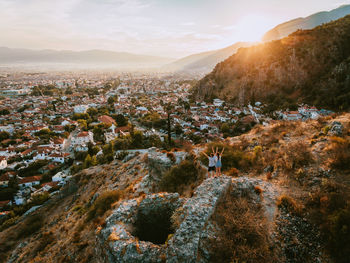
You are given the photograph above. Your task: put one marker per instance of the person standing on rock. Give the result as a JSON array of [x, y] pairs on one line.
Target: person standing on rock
[[218, 164], [211, 165]]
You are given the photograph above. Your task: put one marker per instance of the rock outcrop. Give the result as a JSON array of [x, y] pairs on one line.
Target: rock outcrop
[[185, 244]]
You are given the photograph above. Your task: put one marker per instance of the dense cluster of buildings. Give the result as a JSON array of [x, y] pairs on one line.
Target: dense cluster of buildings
[[38, 127]]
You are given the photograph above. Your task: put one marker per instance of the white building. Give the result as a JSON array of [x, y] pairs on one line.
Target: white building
[[81, 108], [82, 138], [3, 162], [58, 177]]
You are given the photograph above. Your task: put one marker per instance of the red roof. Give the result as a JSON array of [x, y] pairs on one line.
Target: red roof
[[30, 179], [4, 177], [106, 119], [3, 203], [83, 134], [52, 184]]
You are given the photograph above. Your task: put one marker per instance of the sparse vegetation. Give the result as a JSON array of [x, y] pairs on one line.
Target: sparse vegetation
[[243, 232], [103, 203], [340, 152], [181, 177]]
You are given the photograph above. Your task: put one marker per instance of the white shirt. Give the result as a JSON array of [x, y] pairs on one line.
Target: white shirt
[[212, 161]]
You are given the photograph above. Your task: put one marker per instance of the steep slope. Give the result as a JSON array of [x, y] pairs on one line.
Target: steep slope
[[285, 205], [11, 56], [206, 61], [309, 22], [311, 66]]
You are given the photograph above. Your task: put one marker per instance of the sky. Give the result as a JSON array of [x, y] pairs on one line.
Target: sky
[[169, 28]]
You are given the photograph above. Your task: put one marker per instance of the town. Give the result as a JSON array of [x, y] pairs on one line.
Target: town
[[53, 125]]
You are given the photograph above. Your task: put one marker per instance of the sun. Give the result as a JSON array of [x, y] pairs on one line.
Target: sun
[[252, 27]]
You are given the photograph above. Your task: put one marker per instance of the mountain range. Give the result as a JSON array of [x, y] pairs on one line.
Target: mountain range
[[309, 22], [205, 62], [24, 56], [311, 66]]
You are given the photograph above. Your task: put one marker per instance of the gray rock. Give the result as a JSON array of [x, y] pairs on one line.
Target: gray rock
[[336, 128]]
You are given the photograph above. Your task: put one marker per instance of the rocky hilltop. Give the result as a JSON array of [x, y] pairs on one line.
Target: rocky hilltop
[[311, 66], [284, 197]]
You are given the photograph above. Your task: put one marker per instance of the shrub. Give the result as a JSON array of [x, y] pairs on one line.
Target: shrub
[[295, 155], [329, 209], [243, 234], [340, 152], [171, 156], [103, 203], [179, 176], [233, 172], [258, 190], [290, 204], [121, 155]]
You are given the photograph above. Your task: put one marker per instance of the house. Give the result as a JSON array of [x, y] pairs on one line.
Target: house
[[106, 119], [29, 181], [81, 108], [19, 200], [42, 153], [5, 203], [58, 143], [27, 152], [82, 138], [58, 157], [3, 162], [4, 180], [58, 177], [292, 116], [218, 102]]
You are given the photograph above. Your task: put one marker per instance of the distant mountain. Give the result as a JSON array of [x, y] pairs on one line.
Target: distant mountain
[[311, 66], [24, 56], [204, 62], [309, 22]]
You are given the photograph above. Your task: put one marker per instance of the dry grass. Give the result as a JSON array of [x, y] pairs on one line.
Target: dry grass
[[244, 235], [285, 201], [340, 152]]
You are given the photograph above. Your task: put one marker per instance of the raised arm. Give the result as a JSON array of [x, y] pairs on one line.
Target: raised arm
[[205, 154], [212, 148], [223, 149], [217, 150]]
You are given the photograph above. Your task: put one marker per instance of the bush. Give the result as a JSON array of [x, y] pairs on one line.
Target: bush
[[243, 234], [103, 203], [340, 152], [290, 204], [179, 176], [171, 156], [329, 209], [295, 155]]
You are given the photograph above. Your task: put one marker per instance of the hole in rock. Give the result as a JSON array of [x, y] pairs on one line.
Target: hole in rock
[[153, 224]]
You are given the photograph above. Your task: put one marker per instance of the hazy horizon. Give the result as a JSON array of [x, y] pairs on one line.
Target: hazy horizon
[[165, 28]]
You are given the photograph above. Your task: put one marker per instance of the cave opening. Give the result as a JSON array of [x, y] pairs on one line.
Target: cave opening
[[153, 225]]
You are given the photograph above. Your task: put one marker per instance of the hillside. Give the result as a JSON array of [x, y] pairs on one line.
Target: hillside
[[309, 22], [311, 66], [284, 198], [206, 61], [23, 56]]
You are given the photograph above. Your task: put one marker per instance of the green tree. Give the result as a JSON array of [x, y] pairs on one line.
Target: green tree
[[121, 120], [87, 161]]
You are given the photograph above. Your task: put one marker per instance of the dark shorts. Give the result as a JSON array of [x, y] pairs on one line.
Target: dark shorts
[[211, 168]]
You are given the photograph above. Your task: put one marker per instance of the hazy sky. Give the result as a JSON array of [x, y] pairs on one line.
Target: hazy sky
[[171, 28]]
